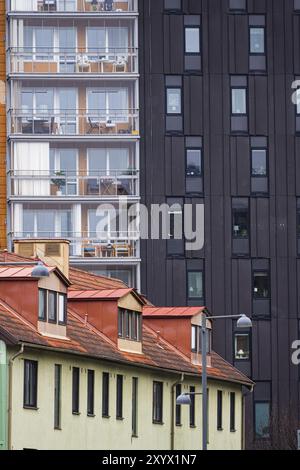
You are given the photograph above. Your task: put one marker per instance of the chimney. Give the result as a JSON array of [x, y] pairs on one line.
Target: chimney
[[53, 252]]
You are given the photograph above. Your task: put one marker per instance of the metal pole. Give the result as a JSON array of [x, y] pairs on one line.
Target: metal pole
[[204, 382]]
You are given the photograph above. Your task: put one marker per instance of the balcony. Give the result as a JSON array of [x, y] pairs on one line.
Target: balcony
[[104, 123], [100, 184], [48, 61], [74, 6]]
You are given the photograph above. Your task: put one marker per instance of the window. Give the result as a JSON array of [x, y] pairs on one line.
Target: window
[[196, 343], [173, 5], [257, 40], [298, 219], [75, 389], [220, 410], [57, 396], [178, 407], [239, 101], [242, 346], [193, 163], [192, 407], [195, 285], [52, 307], [262, 420], [192, 40], [129, 325], [134, 427], [259, 162], [174, 101], [175, 218], [237, 5], [158, 402], [30, 384], [119, 407], [240, 222], [42, 305], [232, 412], [261, 285], [62, 305], [90, 392], [105, 394]]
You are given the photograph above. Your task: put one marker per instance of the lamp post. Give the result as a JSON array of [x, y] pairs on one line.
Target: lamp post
[[243, 322]]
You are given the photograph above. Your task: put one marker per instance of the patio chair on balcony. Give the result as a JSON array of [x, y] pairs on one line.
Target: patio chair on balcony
[[93, 126], [122, 250], [93, 187], [120, 64], [108, 5]]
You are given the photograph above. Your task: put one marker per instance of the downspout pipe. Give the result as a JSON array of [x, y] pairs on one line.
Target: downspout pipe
[[3, 396], [10, 393], [173, 410]]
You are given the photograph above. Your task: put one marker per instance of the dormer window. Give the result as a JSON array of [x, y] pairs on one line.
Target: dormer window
[[129, 325], [52, 307], [196, 340]]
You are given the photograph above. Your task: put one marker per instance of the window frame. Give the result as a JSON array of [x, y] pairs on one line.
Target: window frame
[[234, 211], [173, 9], [261, 271], [245, 9], [174, 87], [232, 420], [186, 27], [192, 413], [57, 396], [105, 394], [193, 149], [119, 397], [264, 42], [178, 414], [235, 87], [91, 393], [53, 321], [134, 417], [191, 271], [242, 359], [157, 402], [75, 390], [64, 296], [45, 300], [220, 410], [261, 402], [260, 149], [30, 390]]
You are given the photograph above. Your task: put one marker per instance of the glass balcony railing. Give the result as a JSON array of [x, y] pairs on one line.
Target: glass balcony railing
[[72, 122], [49, 61], [110, 184], [76, 6]]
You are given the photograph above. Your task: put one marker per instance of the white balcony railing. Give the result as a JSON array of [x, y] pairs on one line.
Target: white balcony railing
[[35, 184], [72, 122], [54, 61], [76, 6]]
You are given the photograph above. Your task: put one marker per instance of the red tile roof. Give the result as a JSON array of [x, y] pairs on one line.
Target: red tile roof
[[172, 311]]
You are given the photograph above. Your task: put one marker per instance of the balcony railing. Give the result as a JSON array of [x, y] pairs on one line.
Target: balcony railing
[[112, 245], [73, 184], [98, 61], [72, 122], [76, 6]]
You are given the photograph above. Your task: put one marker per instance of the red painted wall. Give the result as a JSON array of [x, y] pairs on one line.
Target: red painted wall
[[175, 330], [22, 296]]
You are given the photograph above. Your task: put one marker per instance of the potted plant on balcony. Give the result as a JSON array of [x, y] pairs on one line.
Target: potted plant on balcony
[[59, 182]]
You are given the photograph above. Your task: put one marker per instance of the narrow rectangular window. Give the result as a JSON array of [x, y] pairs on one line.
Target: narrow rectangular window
[[259, 163], [75, 389], [193, 163], [239, 101], [194, 338], [262, 420], [121, 316], [90, 392], [52, 307], [192, 407], [192, 40], [298, 220], [172, 5], [257, 40], [42, 305], [158, 402], [105, 394], [178, 407], [261, 285], [238, 5], [232, 412], [62, 309], [57, 396], [119, 406], [240, 222], [134, 406], [242, 346], [174, 101], [30, 384], [195, 285], [220, 410]]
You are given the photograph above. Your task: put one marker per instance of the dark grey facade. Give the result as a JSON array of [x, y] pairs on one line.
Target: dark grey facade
[[230, 106]]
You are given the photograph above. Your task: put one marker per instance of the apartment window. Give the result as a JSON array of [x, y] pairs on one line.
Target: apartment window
[[119, 407], [262, 420], [192, 40], [42, 305], [257, 40], [90, 392], [242, 346], [158, 402], [174, 5], [129, 325], [175, 218], [239, 101], [75, 389], [195, 285], [174, 104], [178, 407], [220, 410], [232, 412], [238, 5], [52, 307], [57, 396], [30, 384], [105, 395], [261, 285], [193, 163], [240, 220], [192, 407], [259, 162], [134, 426]]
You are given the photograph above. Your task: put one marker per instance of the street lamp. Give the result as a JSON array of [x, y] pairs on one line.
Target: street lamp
[[243, 322], [40, 270]]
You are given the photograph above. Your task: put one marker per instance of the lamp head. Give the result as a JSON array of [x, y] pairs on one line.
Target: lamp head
[[183, 399], [40, 270], [244, 322]]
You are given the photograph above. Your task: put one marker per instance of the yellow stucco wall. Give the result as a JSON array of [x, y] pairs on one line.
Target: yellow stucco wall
[[35, 428]]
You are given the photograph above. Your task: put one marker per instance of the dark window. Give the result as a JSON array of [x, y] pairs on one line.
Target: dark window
[[195, 285], [262, 420], [75, 389], [193, 163], [261, 285], [129, 325], [257, 40], [30, 384], [62, 309], [174, 101], [298, 219], [173, 5], [121, 326], [119, 407], [259, 162], [52, 307], [239, 101], [57, 396], [220, 410], [242, 346], [192, 407], [192, 40], [178, 407], [175, 217], [158, 402], [238, 5], [90, 392], [42, 305], [135, 406], [105, 394], [232, 412], [240, 223]]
